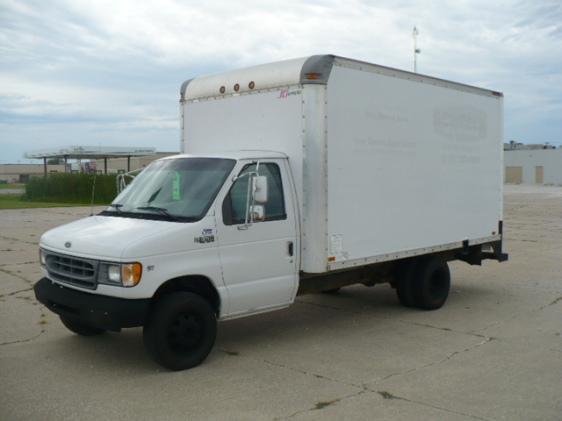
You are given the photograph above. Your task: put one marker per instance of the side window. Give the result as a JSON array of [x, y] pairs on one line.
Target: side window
[[234, 205]]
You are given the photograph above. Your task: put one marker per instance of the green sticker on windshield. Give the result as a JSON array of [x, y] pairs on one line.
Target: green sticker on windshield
[[176, 186]]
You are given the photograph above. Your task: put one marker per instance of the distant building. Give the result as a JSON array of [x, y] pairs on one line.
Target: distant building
[[512, 146], [20, 173], [533, 166]]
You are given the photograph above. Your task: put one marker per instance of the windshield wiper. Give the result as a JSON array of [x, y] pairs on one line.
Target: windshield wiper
[[117, 206], [163, 211]]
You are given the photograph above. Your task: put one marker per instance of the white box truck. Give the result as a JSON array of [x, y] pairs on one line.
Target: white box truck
[[296, 177]]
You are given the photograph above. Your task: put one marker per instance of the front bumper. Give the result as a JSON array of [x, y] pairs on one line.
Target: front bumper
[[99, 311]]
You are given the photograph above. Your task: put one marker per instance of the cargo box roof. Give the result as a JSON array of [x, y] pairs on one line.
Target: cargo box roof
[[306, 70]]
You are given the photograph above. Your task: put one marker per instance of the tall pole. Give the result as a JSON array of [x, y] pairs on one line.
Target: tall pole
[[415, 34]]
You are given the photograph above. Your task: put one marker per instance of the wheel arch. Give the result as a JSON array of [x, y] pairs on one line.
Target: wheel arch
[[197, 284]]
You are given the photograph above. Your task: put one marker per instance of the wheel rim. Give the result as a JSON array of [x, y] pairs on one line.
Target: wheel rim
[[438, 285], [185, 332]]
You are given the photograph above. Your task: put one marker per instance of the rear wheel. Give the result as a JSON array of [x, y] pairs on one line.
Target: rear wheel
[[431, 283], [180, 331], [404, 283], [80, 328]]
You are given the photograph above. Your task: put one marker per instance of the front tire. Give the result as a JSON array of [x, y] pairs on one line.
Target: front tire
[[181, 331], [80, 328]]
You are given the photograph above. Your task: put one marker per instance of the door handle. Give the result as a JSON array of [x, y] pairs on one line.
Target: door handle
[[290, 248]]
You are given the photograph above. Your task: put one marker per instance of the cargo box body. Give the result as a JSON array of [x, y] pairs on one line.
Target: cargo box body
[[387, 164]]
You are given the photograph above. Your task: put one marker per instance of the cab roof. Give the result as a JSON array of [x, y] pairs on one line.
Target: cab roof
[[237, 155]]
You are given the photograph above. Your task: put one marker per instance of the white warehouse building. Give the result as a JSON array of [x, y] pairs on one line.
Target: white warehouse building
[[533, 166]]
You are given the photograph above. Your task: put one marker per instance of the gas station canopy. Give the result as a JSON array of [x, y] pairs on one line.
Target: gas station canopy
[[90, 152]]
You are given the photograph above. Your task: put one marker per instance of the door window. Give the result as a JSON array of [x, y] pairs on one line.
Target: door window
[[234, 205]]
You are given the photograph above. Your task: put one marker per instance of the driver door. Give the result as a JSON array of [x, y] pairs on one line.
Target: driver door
[[259, 260]]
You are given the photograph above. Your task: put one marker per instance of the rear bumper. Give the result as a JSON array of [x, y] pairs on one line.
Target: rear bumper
[[99, 311]]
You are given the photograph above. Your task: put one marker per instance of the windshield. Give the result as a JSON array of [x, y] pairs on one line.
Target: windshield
[[180, 189]]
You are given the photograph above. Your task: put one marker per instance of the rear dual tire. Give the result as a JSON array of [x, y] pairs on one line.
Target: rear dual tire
[[423, 283]]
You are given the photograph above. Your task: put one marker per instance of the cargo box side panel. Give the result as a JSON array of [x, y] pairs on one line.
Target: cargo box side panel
[[266, 120], [315, 187], [411, 164]]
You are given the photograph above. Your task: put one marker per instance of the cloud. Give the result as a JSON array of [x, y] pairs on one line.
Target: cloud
[[114, 67]]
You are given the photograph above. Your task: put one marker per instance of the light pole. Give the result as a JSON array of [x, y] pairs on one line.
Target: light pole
[[415, 34]]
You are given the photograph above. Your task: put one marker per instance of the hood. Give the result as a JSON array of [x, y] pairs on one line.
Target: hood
[[107, 236]]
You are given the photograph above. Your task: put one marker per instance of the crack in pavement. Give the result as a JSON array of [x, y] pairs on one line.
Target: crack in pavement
[[310, 373], [364, 388], [42, 322], [323, 404], [21, 263], [9, 294], [387, 395], [486, 340], [20, 341], [9, 272], [556, 301], [446, 329], [3, 237]]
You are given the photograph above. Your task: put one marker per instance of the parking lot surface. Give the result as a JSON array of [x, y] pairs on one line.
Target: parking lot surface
[[493, 352]]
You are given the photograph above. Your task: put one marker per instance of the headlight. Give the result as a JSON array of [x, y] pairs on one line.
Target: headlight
[[42, 260], [114, 273], [126, 274]]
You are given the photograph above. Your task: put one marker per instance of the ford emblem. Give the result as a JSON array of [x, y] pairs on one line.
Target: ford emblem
[[68, 244]]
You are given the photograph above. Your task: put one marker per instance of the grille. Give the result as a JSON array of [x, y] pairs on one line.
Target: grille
[[72, 270]]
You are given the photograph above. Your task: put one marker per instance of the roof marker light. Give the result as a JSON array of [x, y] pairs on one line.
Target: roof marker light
[[236, 88], [251, 85], [312, 76], [222, 89]]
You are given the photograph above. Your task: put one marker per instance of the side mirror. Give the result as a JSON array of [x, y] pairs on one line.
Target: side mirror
[[259, 188]]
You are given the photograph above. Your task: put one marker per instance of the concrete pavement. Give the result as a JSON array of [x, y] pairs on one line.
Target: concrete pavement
[[493, 352]]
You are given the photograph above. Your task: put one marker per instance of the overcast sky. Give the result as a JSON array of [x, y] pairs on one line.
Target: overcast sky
[[108, 72]]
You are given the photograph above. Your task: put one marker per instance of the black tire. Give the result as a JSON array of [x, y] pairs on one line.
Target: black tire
[[181, 331], [331, 291], [80, 328], [432, 281], [404, 283]]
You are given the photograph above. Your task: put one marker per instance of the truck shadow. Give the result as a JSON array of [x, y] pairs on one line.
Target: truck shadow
[[314, 315], [312, 319]]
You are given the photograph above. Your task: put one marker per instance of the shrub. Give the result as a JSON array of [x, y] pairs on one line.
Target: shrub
[[71, 188]]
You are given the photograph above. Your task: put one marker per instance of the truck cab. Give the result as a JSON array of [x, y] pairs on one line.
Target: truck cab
[[224, 227]]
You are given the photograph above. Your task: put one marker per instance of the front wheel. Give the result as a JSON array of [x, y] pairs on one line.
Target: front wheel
[[181, 331], [80, 328]]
